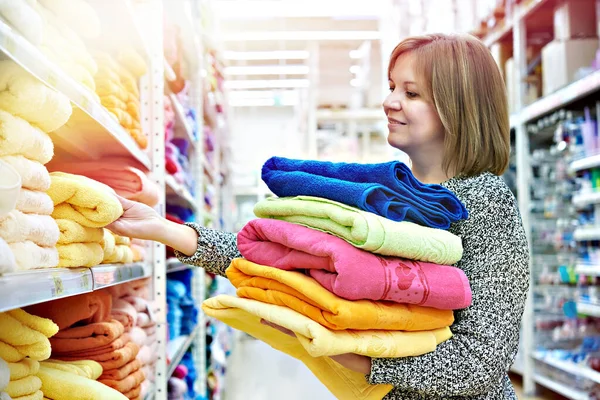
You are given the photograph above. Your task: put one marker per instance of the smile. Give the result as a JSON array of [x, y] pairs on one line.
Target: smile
[[392, 121]]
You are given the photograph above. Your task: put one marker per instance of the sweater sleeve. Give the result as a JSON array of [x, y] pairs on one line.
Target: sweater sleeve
[[486, 334], [215, 250]]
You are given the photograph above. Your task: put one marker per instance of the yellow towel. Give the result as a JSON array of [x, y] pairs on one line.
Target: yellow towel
[[24, 386], [9, 354], [34, 175], [23, 18], [79, 254], [23, 95], [29, 255], [34, 202], [56, 384], [133, 108], [108, 244], [72, 232], [18, 227], [23, 368], [129, 82], [106, 88], [131, 60], [37, 351], [86, 368], [342, 382], [43, 325], [320, 341], [83, 200], [112, 101], [303, 294], [122, 116], [122, 254], [122, 240], [35, 396], [14, 332], [77, 14], [17, 136], [4, 374]]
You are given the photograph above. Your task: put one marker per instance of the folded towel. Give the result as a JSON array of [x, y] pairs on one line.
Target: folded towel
[[83, 200], [79, 254], [91, 337], [134, 394], [45, 326], [365, 230], [39, 229], [61, 385], [5, 374], [303, 294], [123, 372], [138, 335], [37, 351], [16, 333], [138, 303], [23, 18], [34, 202], [24, 96], [34, 175], [132, 60], [342, 382], [29, 255], [387, 189], [114, 359], [24, 386], [122, 240], [39, 395], [86, 368], [320, 341], [124, 312], [119, 174], [138, 253], [121, 254], [112, 101], [83, 309], [23, 368], [8, 263], [108, 244], [77, 14], [18, 137], [352, 273], [126, 384], [117, 344], [72, 232], [9, 353]]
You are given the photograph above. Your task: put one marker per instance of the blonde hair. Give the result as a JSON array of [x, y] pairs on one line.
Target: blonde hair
[[462, 80]]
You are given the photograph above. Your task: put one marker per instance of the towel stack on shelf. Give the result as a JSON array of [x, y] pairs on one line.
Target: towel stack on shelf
[[116, 249], [82, 207], [89, 331], [4, 379], [364, 268], [28, 111], [23, 343], [117, 86]]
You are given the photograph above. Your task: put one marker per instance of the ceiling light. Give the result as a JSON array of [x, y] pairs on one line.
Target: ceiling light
[[266, 84], [268, 70], [266, 55], [301, 35]]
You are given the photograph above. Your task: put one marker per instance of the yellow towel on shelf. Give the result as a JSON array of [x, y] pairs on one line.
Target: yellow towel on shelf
[[342, 382], [37, 351], [34, 202], [132, 60], [122, 254], [86, 368], [18, 227], [15, 333], [303, 294], [129, 82], [29, 255], [320, 341], [18, 137], [23, 95], [112, 101], [5, 374], [23, 368], [122, 116], [9, 353], [34, 175], [61, 385], [45, 326], [22, 16], [83, 200], [72, 232], [108, 244], [35, 396], [79, 254], [133, 108], [107, 88], [122, 240], [77, 14], [24, 386]]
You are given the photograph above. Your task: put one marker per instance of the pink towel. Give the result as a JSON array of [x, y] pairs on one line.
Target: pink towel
[[34, 202], [118, 173], [138, 336], [352, 273], [138, 303], [18, 227], [124, 312], [34, 175]]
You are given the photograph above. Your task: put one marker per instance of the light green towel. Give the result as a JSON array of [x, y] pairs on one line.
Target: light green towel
[[365, 230]]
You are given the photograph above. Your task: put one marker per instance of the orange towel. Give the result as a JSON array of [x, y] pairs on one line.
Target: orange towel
[[123, 372], [305, 295], [112, 360], [99, 337], [134, 394], [81, 309], [125, 385]]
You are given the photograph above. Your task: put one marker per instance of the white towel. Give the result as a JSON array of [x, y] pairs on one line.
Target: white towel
[[34, 175], [39, 229], [31, 256], [18, 136], [34, 202], [7, 259], [23, 18]]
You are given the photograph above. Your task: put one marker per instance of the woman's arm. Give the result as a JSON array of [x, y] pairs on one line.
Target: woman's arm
[[486, 334]]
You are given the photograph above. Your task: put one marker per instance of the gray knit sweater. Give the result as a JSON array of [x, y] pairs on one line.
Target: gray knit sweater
[[473, 364]]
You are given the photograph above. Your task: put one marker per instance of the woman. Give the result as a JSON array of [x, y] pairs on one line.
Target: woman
[[447, 110]]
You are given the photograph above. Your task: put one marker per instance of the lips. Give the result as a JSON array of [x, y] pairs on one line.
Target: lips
[[393, 121]]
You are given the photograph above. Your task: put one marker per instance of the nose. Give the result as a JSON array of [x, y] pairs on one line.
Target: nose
[[391, 102]]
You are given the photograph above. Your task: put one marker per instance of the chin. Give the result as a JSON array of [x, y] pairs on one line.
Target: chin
[[396, 142]]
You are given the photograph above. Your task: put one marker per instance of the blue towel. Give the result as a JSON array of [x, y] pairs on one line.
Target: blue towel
[[387, 189]]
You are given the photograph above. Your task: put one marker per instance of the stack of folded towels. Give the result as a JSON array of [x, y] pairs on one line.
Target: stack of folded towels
[[29, 110], [88, 331], [116, 249], [364, 268], [82, 207], [117, 86], [23, 344]]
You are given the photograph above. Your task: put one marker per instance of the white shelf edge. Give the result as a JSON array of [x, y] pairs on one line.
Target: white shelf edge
[[584, 163], [581, 200], [560, 388], [34, 61], [569, 367], [181, 119], [178, 347], [180, 191], [589, 309], [589, 270], [583, 234]]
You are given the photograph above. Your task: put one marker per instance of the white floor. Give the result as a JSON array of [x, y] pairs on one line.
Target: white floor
[[257, 372]]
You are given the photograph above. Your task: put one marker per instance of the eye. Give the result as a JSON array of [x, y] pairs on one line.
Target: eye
[[411, 95], [392, 89]]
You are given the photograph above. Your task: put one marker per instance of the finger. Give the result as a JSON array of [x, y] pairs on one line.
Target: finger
[[125, 203]]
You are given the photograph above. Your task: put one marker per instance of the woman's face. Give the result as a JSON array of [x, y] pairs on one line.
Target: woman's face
[[414, 124]]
